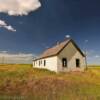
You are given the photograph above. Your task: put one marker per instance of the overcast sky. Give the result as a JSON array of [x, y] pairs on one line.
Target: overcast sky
[[30, 27]]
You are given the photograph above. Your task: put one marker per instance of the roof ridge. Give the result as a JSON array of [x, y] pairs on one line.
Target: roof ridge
[[60, 43]]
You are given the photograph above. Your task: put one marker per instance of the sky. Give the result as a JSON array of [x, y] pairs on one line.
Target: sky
[[28, 28]]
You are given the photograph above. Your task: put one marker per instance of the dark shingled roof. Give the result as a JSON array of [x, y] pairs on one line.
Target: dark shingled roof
[[57, 49]]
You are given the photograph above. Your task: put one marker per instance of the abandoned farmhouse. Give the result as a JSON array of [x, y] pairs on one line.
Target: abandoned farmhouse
[[63, 57]]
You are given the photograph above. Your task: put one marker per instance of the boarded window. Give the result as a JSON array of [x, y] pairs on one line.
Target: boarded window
[[64, 62], [77, 62]]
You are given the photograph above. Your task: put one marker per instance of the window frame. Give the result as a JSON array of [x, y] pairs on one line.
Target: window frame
[[64, 62]]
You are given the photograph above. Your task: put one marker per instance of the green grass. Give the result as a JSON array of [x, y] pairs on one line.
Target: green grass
[[22, 82]]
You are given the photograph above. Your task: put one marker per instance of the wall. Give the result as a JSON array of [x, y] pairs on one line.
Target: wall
[[71, 53], [51, 63]]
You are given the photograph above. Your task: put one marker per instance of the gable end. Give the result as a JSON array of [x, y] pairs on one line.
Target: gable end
[[75, 47]]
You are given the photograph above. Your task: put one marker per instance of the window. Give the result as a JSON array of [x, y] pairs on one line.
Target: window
[[64, 62], [39, 62], [44, 62], [34, 63], [77, 62]]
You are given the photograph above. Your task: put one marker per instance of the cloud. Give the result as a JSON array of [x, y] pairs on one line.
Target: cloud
[[97, 56], [67, 36], [18, 7], [86, 41], [23, 58], [2, 23], [8, 27]]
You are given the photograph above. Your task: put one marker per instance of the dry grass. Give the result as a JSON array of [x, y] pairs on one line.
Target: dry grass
[[22, 82]]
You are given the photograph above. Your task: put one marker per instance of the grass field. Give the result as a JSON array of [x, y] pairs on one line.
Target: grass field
[[22, 82]]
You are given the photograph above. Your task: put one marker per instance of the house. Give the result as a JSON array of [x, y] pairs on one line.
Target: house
[[65, 56]]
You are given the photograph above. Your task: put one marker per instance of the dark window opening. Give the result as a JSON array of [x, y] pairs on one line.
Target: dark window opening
[[44, 62], [77, 62], [64, 62], [34, 63], [39, 63]]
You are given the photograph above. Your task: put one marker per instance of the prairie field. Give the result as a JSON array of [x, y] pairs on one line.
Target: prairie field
[[23, 82]]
